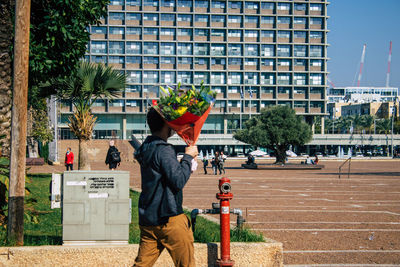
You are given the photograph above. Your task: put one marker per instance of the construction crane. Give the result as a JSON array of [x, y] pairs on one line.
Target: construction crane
[[389, 61], [361, 65]]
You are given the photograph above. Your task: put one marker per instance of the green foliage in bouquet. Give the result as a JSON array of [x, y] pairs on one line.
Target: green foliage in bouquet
[[174, 103]]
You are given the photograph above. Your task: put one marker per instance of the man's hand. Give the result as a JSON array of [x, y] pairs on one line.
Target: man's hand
[[192, 151]]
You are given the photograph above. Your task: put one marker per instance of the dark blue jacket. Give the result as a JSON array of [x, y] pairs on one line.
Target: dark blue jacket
[[163, 178]]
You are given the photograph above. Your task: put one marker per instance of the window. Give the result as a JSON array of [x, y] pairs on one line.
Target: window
[[251, 19], [218, 4], [251, 62], [267, 34], [98, 30], [167, 49], [218, 32], [316, 35], [168, 3], [150, 76], [133, 31], [133, 2], [284, 62], [267, 20], [134, 76], [267, 62], [184, 17], [284, 34], [116, 60], [184, 49], [116, 16], [251, 78], [300, 62], [167, 17], [132, 103], [316, 21], [133, 60], [235, 78], [234, 103], [316, 62], [218, 50], [201, 49], [299, 20], [235, 61], [153, 3], [300, 34], [167, 32], [218, 19], [219, 61], [268, 78], [283, 78], [99, 103], [185, 60], [201, 18], [168, 77], [316, 79], [150, 17], [201, 61], [283, 20], [283, 50], [251, 33], [116, 48], [316, 51], [268, 50], [201, 3], [299, 79], [150, 31], [150, 48], [185, 32], [299, 90], [267, 5], [251, 5], [99, 59], [167, 60], [251, 50], [184, 77], [234, 19], [234, 49], [116, 103], [201, 32], [218, 78], [284, 6], [201, 76], [300, 7], [150, 60], [235, 4], [300, 51], [315, 7], [184, 3], [133, 16]]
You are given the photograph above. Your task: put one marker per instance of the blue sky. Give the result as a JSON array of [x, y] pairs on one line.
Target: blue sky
[[355, 22]]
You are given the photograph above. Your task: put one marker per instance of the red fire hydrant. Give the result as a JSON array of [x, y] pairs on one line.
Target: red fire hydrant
[[224, 196]]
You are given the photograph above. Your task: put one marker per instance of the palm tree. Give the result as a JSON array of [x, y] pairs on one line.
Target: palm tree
[[91, 81]]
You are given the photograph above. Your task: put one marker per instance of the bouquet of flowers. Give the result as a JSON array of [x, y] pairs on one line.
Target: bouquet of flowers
[[185, 111]]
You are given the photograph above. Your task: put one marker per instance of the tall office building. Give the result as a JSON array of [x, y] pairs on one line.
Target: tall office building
[[255, 54]]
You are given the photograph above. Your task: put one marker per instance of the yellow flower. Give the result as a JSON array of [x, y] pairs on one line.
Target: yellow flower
[[181, 110]]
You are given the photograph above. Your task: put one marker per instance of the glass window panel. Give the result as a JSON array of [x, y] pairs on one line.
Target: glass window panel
[[251, 78], [116, 48], [235, 33], [201, 18], [300, 34], [283, 20], [234, 49], [133, 16], [99, 59], [235, 19], [116, 16], [134, 76], [316, 51], [235, 61], [300, 7], [235, 4], [268, 34], [116, 60], [251, 5], [268, 50], [184, 77], [185, 3], [300, 51], [267, 20], [251, 50], [218, 32], [267, 5], [185, 49], [201, 49], [284, 51], [133, 48], [98, 30], [218, 4], [201, 3], [168, 3], [201, 32], [150, 60], [150, 31], [299, 20], [283, 34], [218, 49], [316, 21], [150, 17], [316, 34], [150, 76], [150, 48], [185, 60], [133, 60], [251, 19], [167, 49], [133, 31], [218, 18], [167, 17], [185, 32], [267, 62], [167, 32], [235, 78], [133, 2], [168, 77], [153, 3], [284, 6], [185, 17], [167, 60]]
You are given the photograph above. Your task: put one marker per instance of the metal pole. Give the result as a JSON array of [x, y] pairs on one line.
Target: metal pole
[[393, 109], [16, 192], [240, 113]]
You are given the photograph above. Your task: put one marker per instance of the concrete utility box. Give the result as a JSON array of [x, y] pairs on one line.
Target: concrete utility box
[[96, 207]]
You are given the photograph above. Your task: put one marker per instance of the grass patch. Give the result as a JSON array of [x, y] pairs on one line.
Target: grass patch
[[49, 229]]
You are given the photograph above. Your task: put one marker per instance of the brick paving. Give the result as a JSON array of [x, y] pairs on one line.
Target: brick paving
[[319, 219]]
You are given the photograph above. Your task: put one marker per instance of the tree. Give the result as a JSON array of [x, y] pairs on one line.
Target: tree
[[275, 128], [90, 82]]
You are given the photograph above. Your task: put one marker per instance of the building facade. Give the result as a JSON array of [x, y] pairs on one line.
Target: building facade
[[255, 54], [362, 94]]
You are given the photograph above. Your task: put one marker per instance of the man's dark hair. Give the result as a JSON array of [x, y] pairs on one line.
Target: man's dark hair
[[154, 120]]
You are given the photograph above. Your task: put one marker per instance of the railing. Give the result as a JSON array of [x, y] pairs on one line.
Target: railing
[[340, 167]]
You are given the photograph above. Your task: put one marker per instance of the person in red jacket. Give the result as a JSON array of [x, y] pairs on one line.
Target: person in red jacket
[[69, 159]]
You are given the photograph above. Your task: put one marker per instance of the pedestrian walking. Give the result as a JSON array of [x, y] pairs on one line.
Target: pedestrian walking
[[161, 219], [69, 159], [113, 158], [205, 164], [222, 158]]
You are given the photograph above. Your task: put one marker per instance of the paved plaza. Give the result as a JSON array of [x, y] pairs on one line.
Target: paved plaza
[[319, 218]]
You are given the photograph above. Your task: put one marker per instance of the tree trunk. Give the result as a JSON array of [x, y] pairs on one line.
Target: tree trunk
[[280, 155], [83, 162], [6, 39]]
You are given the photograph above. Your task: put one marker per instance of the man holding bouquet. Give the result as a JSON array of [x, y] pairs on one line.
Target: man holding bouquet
[[162, 221]]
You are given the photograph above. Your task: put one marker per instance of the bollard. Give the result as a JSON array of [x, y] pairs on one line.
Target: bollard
[[225, 196]]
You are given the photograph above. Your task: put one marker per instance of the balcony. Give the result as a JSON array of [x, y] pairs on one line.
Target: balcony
[[251, 39], [132, 8], [201, 10], [217, 66], [299, 26], [150, 66], [283, 12], [150, 8], [250, 67], [132, 66], [184, 23], [283, 40], [233, 25], [299, 40], [115, 109], [316, 110], [299, 68], [116, 7], [217, 110], [283, 26], [116, 65], [184, 66], [234, 39], [316, 68], [250, 11], [133, 23], [116, 36], [299, 96], [167, 37], [218, 24], [283, 68], [217, 38], [250, 25], [201, 38], [97, 109], [300, 109], [116, 22], [201, 66], [234, 67], [132, 109], [316, 40], [150, 37], [184, 38], [316, 96], [184, 9], [283, 96], [267, 96], [316, 26], [316, 12], [167, 23], [234, 109], [300, 12], [132, 94], [267, 11], [97, 36], [150, 23], [200, 24], [167, 9], [269, 68], [234, 95], [217, 10], [234, 10], [167, 66]]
